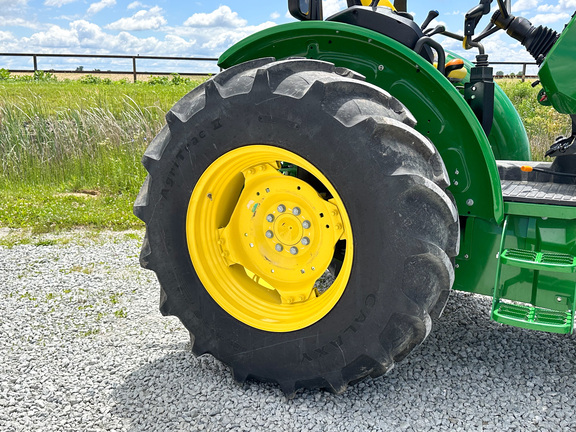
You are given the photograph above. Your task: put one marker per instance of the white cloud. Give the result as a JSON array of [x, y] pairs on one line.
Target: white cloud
[[221, 17], [6, 36], [16, 13], [549, 18], [7, 7], [274, 15], [57, 3], [221, 40], [524, 5], [21, 22], [98, 6], [562, 6], [12, 3], [137, 4], [82, 36], [330, 7], [142, 20]]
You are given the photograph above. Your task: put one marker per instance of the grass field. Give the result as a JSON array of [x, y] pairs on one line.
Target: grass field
[[70, 151]]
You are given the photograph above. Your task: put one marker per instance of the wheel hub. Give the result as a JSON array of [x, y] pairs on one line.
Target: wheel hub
[[283, 231], [288, 229]]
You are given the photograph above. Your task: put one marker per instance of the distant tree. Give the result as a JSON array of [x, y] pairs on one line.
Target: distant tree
[[512, 75], [96, 70], [499, 74], [520, 74], [79, 68]]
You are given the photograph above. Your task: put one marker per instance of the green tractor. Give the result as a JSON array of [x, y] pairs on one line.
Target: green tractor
[[309, 208]]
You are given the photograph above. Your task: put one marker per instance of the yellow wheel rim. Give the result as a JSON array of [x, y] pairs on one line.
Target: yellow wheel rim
[[259, 240]]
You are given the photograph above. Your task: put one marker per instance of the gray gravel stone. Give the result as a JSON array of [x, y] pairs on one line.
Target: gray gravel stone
[[84, 348]]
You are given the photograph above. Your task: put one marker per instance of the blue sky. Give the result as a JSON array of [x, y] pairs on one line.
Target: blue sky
[[201, 28]]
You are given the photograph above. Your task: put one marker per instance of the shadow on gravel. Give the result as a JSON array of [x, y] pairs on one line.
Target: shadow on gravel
[[470, 374]]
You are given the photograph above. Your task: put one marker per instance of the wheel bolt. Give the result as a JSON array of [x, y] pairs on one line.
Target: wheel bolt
[[279, 247], [281, 208], [306, 224], [270, 218], [294, 250], [305, 241], [269, 234], [296, 211]]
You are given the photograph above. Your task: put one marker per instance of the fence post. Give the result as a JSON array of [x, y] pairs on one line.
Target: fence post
[[35, 63], [524, 72], [134, 69]]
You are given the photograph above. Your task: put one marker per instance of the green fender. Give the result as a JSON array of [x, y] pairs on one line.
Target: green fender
[[442, 113]]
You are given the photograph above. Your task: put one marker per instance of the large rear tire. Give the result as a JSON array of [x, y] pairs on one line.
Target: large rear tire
[[266, 176]]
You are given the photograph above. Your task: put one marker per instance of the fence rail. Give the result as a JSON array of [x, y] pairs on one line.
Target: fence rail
[[524, 65], [134, 71]]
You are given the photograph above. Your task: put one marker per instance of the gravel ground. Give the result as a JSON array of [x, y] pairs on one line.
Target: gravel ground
[[84, 348]]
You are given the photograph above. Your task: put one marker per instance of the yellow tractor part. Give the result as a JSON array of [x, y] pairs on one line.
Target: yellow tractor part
[[259, 240], [384, 3]]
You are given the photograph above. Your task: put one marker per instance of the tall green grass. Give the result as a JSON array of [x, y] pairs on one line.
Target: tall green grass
[[58, 138], [543, 124], [75, 136]]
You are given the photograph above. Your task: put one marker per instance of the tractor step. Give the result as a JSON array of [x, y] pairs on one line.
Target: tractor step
[[534, 289], [533, 318], [555, 262]]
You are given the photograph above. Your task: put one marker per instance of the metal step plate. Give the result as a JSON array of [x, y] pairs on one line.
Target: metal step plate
[[539, 193]]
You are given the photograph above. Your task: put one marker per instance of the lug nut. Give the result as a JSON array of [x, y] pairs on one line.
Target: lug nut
[[305, 241], [269, 234], [306, 224], [279, 247], [296, 211], [270, 218], [281, 208], [294, 250]]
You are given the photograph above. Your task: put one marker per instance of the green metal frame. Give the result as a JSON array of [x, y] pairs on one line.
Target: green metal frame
[[557, 71], [442, 113]]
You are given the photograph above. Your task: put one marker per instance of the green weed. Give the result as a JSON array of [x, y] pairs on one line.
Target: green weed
[[120, 313]]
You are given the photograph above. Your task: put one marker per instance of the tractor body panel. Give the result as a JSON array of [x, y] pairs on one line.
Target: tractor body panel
[[442, 113], [557, 71]]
